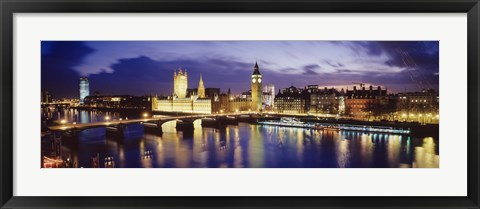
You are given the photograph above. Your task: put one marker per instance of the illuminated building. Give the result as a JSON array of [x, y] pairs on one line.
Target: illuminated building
[[180, 83], [201, 100], [422, 107], [256, 89], [247, 95], [292, 100], [46, 97], [66, 101], [118, 101], [109, 162], [51, 163], [55, 160], [201, 88], [239, 105], [187, 105], [84, 89], [326, 101], [210, 100], [366, 104], [268, 96], [212, 93], [232, 103], [225, 101]]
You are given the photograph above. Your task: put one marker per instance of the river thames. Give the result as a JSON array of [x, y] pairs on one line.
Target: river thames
[[240, 146]]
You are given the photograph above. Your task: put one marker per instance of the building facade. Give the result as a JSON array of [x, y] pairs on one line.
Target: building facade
[[201, 100], [118, 101], [180, 83], [257, 92], [422, 107], [326, 102], [292, 100], [268, 97], [84, 89], [186, 105], [201, 88], [369, 104]]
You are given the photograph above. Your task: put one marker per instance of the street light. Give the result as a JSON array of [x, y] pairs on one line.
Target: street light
[[63, 121], [145, 115], [107, 118]]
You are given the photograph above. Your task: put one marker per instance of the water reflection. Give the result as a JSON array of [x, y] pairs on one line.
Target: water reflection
[[244, 146], [425, 156]]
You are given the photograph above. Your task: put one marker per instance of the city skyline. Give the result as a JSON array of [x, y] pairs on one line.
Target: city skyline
[[240, 104], [146, 67]]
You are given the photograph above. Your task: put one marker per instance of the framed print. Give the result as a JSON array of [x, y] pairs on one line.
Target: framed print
[[265, 104]]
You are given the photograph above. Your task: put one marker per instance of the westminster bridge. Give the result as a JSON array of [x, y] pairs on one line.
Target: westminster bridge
[[183, 123]]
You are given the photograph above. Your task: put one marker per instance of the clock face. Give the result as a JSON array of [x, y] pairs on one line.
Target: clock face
[[259, 80], [254, 80]]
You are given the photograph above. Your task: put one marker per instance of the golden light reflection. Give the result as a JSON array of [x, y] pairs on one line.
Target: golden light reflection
[[121, 155], [343, 153], [393, 150], [425, 156], [300, 140], [255, 148], [366, 150], [200, 153], [261, 145], [281, 136], [182, 152], [160, 154], [237, 153]]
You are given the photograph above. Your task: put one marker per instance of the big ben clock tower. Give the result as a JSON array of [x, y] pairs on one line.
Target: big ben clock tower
[[256, 89]]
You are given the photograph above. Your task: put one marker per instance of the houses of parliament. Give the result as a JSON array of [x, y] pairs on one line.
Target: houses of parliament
[[209, 100]]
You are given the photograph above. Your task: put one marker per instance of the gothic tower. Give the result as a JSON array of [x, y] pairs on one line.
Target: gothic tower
[[201, 88], [180, 83], [256, 89]]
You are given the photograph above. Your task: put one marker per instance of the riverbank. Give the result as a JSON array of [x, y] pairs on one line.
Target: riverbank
[[416, 129], [110, 109]]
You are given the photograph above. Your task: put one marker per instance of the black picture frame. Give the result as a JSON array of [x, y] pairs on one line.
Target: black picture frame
[[10, 7]]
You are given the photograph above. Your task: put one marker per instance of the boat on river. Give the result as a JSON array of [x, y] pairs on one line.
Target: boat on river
[[294, 122], [289, 122]]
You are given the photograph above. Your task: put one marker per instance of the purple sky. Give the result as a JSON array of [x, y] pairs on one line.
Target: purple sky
[[146, 67]]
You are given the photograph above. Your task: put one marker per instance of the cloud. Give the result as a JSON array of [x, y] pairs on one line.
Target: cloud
[[311, 67], [58, 60], [310, 72], [333, 63], [156, 76], [345, 71], [118, 66]]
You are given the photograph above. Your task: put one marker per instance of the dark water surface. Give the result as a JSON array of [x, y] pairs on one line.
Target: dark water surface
[[243, 146]]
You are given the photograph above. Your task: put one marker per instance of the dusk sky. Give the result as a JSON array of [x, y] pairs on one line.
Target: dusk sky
[[146, 67]]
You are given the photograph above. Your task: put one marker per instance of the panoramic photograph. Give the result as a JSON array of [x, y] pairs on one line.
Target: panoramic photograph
[[240, 104]]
